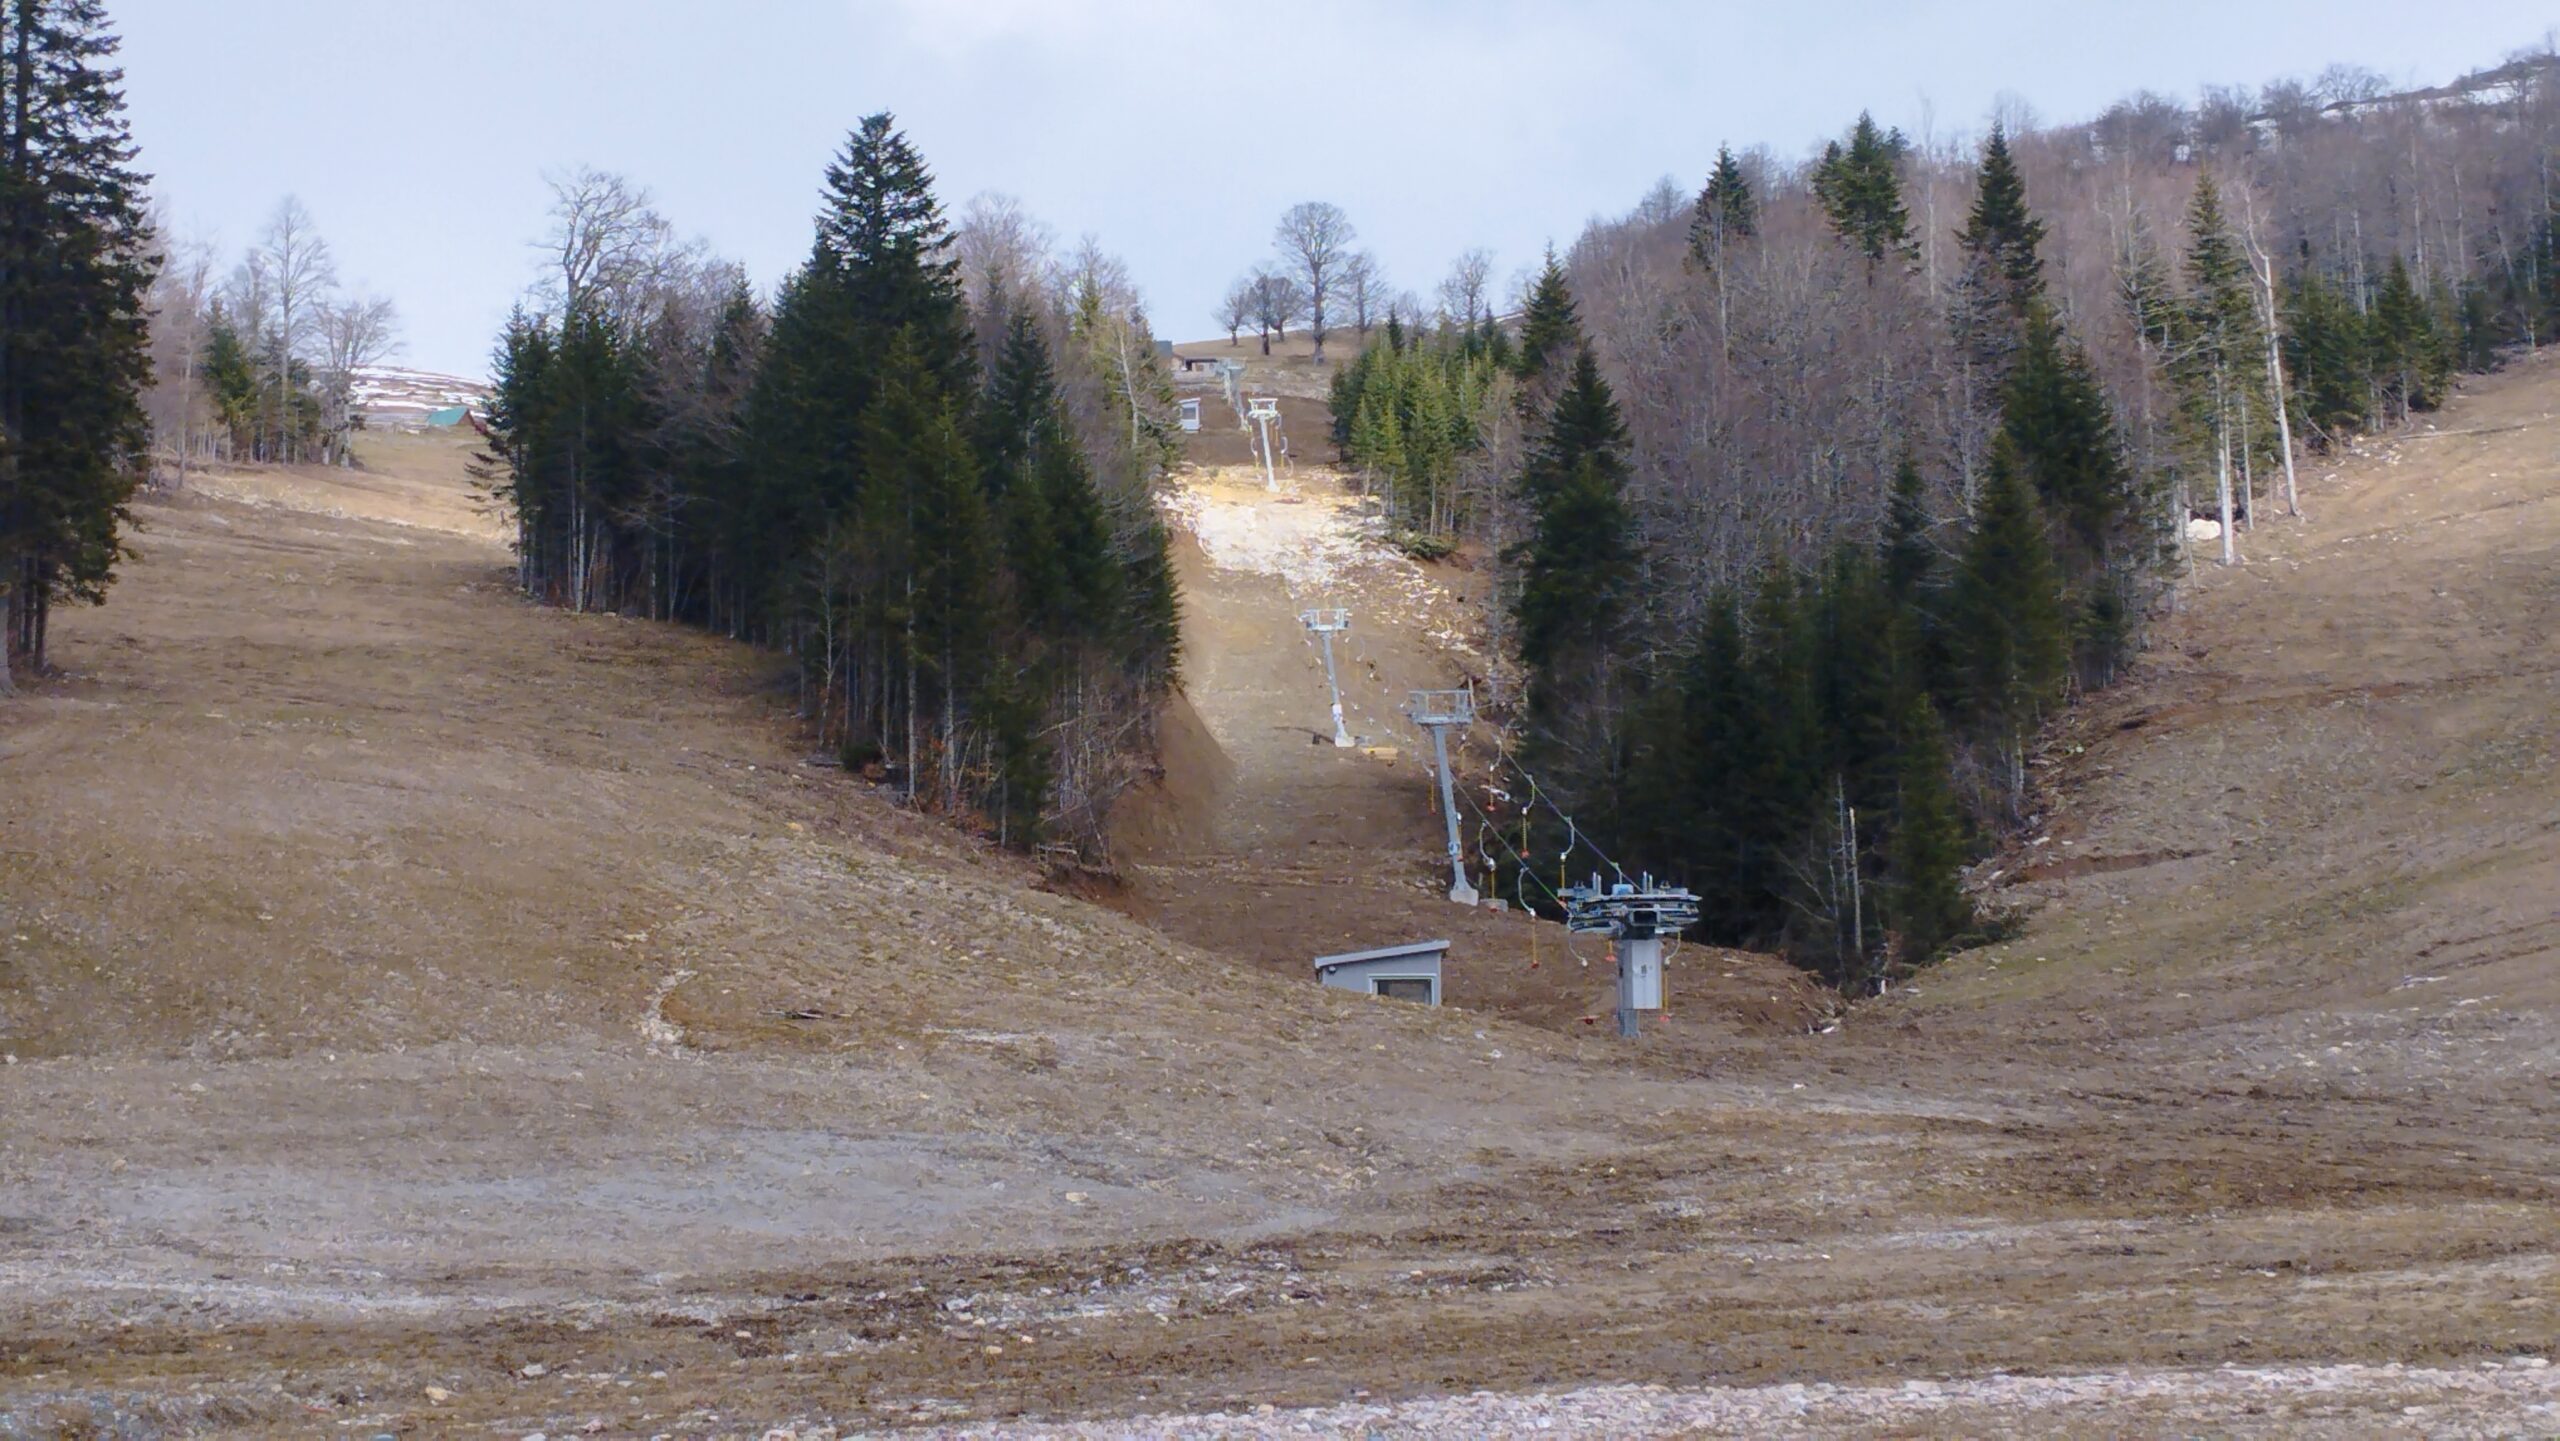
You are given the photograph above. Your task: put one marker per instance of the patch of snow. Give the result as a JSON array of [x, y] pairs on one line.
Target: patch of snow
[[1314, 542]]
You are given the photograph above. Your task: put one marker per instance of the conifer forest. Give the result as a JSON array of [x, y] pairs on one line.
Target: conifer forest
[[926, 470]]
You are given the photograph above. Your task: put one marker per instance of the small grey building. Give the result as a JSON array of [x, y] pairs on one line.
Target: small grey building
[[1405, 973]]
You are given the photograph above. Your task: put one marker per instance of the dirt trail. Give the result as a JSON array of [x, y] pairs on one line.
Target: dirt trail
[[1303, 848], [400, 982]]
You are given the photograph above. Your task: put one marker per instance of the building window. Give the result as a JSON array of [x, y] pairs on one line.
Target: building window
[[1406, 988]]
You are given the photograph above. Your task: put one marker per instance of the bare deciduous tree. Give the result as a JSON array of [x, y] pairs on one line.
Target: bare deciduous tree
[[361, 331], [1279, 302], [1315, 242], [180, 293], [604, 241], [1364, 289], [299, 275], [1005, 255], [1464, 295], [1236, 310]]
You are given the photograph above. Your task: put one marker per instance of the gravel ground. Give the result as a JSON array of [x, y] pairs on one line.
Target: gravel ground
[[2518, 1397]]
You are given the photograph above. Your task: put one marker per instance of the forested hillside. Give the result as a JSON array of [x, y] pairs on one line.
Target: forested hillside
[[924, 470], [1810, 498]]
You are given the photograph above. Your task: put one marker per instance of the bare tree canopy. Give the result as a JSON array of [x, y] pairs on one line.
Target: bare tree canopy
[[182, 289], [361, 331], [604, 239], [1004, 251], [1235, 311], [1315, 240], [1463, 296], [1364, 290], [293, 265], [1279, 302]]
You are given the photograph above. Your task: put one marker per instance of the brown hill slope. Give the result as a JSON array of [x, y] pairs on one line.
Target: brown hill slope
[[400, 981]]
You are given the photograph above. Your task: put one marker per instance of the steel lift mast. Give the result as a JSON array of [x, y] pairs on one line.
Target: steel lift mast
[[1635, 916], [1324, 625], [1437, 711]]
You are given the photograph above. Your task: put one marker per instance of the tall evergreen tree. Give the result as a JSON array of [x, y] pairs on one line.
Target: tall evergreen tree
[[1778, 783], [231, 380], [2062, 432], [2409, 363], [1860, 188], [2001, 279], [2218, 359], [2328, 357], [1574, 596], [2006, 620], [1716, 745], [1550, 332], [1726, 212], [880, 269], [2001, 234], [74, 275], [1910, 556], [1924, 902], [884, 232]]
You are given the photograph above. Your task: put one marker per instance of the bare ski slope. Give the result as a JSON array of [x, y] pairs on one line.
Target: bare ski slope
[[431, 1012]]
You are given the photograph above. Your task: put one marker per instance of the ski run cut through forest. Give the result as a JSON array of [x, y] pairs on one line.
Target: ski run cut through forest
[[761, 871]]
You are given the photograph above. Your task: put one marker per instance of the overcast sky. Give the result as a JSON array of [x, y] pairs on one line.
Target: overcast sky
[[1177, 132]]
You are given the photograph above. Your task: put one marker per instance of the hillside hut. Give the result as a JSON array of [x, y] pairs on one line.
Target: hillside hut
[[1404, 973]]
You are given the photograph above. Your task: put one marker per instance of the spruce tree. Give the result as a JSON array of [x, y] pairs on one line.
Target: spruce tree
[[1910, 576], [2001, 280], [1924, 901], [884, 232], [1717, 742], [2406, 344], [1860, 189], [2001, 234], [231, 381], [74, 278], [2063, 433], [1910, 556], [2221, 355], [880, 269], [1779, 782], [1550, 333], [1574, 591], [2328, 357], [2006, 620], [923, 538], [1574, 601], [1725, 212]]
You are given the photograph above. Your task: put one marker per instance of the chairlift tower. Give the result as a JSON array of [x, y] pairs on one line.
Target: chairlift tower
[[1231, 381], [1324, 625], [1635, 916], [1264, 411], [1436, 711]]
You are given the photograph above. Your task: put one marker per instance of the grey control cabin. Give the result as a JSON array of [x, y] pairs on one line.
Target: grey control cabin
[[1404, 973]]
